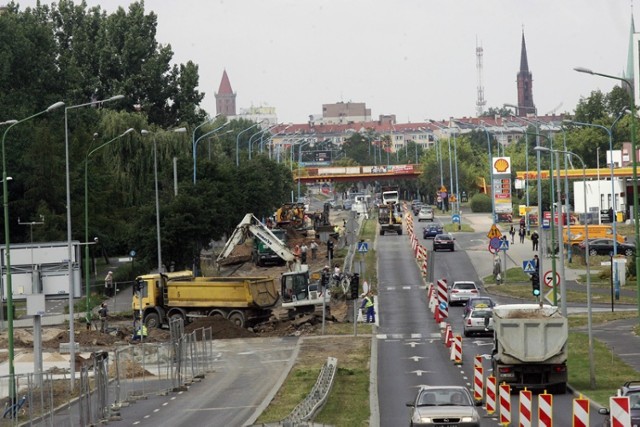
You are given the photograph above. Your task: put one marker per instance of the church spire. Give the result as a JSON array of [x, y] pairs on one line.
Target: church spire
[[525, 84], [225, 97], [629, 74]]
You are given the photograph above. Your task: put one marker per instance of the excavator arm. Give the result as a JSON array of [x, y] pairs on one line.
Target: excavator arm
[[250, 225]]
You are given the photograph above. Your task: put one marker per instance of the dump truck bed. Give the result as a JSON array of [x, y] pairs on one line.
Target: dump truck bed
[[231, 292], [527, 333]]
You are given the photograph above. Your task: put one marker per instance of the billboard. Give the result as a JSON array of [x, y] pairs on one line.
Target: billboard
[[501, 185]]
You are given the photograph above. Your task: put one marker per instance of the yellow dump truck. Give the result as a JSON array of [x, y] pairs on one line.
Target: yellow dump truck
[[243, 300]]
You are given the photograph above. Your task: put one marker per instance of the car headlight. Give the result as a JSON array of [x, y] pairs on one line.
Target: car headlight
[[418, 419]]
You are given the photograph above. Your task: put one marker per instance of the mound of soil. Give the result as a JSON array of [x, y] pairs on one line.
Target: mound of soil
[[220, 328]]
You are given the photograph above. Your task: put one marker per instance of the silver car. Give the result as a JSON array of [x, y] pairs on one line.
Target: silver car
[[425, 214], [444, 406], [478, 321], [461, 291]]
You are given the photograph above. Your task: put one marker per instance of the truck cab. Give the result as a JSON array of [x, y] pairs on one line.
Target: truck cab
[[262, 254]]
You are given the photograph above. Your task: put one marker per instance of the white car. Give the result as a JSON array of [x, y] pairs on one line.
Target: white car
[[461, 291], [425, 214], [478, 321]]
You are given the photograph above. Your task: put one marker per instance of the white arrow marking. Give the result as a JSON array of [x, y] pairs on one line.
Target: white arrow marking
[[416, 358], [481, 343], [413, 343], [419, 372]]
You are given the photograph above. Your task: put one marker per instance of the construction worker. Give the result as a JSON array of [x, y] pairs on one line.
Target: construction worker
[[367, 304], [140, 332]]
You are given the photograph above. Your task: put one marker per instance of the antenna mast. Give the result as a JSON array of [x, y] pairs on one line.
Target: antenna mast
[[480, 102]]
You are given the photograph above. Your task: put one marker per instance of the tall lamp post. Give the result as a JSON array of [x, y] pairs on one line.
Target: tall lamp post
[[609, 130], [9, 288], [155, 174], [592, 375], [310, 143], [72, 349], [455, 155], [238, 141], [86, 218], [195, 146], [634, 160]]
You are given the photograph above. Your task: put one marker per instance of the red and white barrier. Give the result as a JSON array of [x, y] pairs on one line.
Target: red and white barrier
[[477, 361], [448, 336], [457, 350], [524, 409], [504, 399], [490, 401], [545, 409], [478, 382], [442, 310], [423, 268], [580, 412], [620, 411]]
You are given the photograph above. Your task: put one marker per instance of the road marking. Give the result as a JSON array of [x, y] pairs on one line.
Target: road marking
[[156, 410], [416, 358], [629, 354], [146, 416], [391, 288], [413, 343], [165, 403], [406, 287], [419, 372], [416, 336]]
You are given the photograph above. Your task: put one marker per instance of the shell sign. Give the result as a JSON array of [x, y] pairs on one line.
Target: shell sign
[[502, 165]]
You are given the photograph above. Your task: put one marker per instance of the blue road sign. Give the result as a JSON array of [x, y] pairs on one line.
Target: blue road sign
[[455, 218], [546, 223], [529, 266], [504, 245], [363, 247], [495, 243], [443, 305]]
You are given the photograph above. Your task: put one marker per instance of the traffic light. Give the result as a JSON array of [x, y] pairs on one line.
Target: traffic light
[[354, 285], [535, 284]]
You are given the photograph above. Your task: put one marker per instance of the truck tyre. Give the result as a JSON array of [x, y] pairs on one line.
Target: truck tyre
[[218, 314], [178, 314], [381, 232], [399, 232], [561, 389], [152, 320], [237, 318]]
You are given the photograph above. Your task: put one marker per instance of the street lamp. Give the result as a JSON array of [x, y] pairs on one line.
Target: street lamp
[[238, 141], [634, 160], [310, 143], [193, 136], [5, 202], [592, 375], [86, 218], [614, 221], [195, 146], [455, 154], [72, 351], [563, 287], [155, 174]]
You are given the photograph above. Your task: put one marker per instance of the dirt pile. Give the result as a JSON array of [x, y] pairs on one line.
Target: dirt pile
[[220, 328]]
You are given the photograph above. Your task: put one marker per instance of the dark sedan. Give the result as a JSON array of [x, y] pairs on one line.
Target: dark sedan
[[431, 231], [443, 241], [605, 247]]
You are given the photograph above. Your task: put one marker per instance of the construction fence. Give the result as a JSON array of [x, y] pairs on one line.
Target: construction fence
[[107, 381]]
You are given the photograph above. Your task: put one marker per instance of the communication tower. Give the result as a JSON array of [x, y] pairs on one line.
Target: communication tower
[[480, 102]]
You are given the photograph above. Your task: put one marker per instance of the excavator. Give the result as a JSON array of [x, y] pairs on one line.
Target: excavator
[[299, 294]]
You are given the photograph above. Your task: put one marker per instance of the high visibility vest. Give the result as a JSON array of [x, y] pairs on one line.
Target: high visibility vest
[[369, 302]]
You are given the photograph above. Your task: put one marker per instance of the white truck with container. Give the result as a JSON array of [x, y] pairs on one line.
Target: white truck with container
[[530, 347]]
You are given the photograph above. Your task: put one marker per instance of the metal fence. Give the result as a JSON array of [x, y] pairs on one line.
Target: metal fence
[[107, 381]]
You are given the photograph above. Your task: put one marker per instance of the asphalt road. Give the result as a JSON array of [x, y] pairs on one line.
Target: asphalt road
[[410, 350], [246, 372]]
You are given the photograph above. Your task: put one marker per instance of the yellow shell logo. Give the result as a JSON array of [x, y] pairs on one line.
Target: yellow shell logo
[[501, 165]]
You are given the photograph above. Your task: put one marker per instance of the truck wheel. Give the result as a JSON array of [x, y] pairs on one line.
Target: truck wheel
[[561, 389], [178, 315], [399, 232], [152, 320], [237, 318], [381, 232], [218, 314]]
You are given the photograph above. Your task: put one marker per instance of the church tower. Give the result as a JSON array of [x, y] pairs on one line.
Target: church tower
[[525, 84], [225, 98]]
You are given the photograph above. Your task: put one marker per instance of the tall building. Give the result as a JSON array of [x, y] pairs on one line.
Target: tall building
[[225, 98], [525, 84]]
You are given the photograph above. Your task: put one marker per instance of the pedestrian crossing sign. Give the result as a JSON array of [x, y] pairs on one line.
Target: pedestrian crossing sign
[[529, 266], [363, 247], [504, 245]]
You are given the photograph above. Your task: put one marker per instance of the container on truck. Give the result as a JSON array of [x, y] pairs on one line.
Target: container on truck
[[530, 347]]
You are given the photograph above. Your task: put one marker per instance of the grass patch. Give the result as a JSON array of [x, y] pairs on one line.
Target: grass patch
[[345, 405], [610, 371], [464, 227], [347, 329], [580, 320]]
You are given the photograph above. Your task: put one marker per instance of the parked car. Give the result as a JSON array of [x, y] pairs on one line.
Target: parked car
[[478, 321], [443, 241], [605, 247], [425, 214], [478, 302], [347, 204], [444, 406], [632, 390], [431, 231], [461, 291]]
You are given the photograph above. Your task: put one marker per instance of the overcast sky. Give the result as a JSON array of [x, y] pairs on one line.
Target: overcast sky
[[412, 58]]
